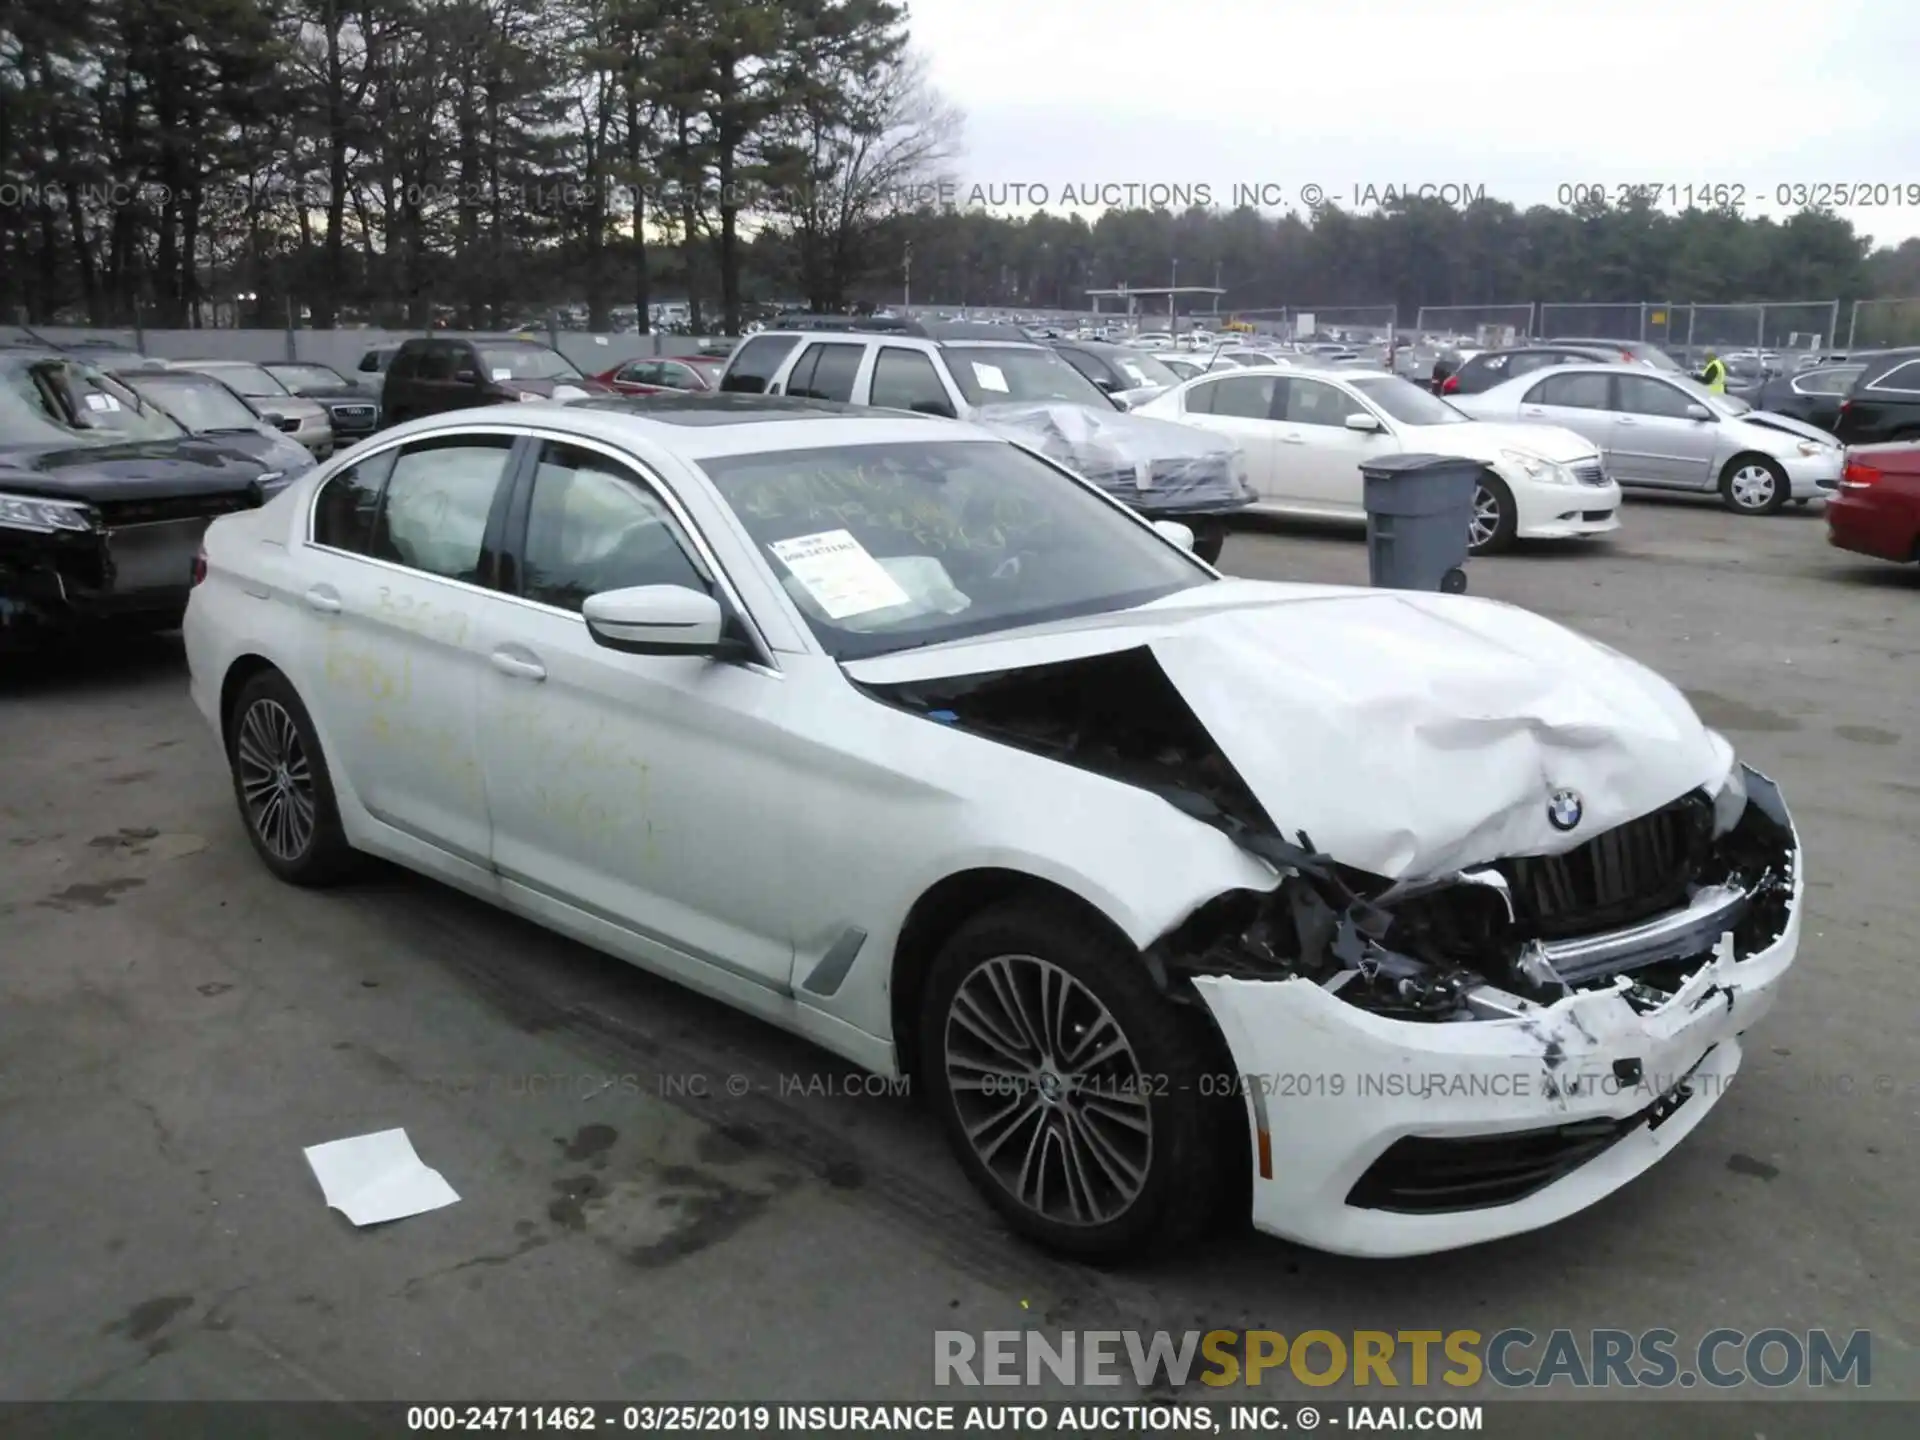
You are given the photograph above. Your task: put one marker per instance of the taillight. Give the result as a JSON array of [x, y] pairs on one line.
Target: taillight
[[200, 565], [1452, 384], [1858, 476]]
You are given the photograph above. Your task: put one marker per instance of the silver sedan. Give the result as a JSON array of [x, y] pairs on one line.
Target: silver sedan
[[1665, 432]]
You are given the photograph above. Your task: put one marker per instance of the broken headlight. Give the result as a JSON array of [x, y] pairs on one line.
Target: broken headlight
[[1730, 800]]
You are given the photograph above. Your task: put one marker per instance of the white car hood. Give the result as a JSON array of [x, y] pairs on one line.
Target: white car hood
[[1409, 735], [1485, 439]]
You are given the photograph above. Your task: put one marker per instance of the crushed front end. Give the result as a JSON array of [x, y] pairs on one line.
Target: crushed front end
[[1437, 1063]]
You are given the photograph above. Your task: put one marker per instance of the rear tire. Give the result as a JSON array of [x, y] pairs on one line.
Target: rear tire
[[1754, 485], [282, 785], [1077, 1097]]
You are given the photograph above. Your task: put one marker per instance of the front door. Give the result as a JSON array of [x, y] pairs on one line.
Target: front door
[[640, 790], [1657, 442], [1241, 407], [1314, 428]]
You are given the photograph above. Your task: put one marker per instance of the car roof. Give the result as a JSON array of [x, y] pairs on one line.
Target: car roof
[[697, 427]]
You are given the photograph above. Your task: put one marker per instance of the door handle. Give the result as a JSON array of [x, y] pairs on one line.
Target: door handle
[[1626, 420], [517, 666], [1532, 410], [1294, 439], [324, 599]]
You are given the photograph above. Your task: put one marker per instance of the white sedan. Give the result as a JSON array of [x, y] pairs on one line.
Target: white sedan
[[1404, 921], [1306, 433]]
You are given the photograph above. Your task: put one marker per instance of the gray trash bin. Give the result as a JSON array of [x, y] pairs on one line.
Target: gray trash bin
[[1419, 510]]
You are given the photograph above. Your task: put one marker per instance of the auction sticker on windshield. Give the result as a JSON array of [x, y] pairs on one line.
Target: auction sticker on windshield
[[839, 573], [500, 373], [991, 377]]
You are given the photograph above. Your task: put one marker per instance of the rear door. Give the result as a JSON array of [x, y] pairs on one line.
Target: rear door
[[1883, 405], [825, 370], [1656, 441], [1580, 401], [399, 572]]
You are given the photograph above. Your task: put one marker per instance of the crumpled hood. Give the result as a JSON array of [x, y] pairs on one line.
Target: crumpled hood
[[1408, 735], [1768, 420]]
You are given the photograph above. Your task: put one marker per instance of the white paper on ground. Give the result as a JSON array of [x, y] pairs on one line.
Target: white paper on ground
[[374, 1178]]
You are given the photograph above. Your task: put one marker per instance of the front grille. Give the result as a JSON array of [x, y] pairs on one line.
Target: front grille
[[117, 513], [1590, 473], [1419, 1175], [354, 417], [1623, 875]]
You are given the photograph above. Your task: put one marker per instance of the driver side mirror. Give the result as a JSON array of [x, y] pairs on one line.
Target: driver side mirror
[[1108, 384], [1367, 424], [658, 620], [1699, 412], [1179, 534], [466, 377], [273, 418]]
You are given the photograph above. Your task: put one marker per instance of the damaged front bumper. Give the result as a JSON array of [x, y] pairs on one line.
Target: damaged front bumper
[[1376, 1135]]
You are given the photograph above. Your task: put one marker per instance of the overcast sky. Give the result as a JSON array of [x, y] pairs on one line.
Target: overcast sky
[[1519, 96]]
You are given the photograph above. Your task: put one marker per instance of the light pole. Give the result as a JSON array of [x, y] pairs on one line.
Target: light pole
[[1173, 301], [906, 283]]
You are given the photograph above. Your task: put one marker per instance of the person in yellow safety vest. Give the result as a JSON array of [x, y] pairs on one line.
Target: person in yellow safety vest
[[1714, 374]]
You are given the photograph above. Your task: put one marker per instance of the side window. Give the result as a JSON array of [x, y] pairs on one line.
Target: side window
[[1312, 402], [1090, 366], [438, 498], [1493, 365], [349, 504], [369, 361], [1825, 382], [1244, 397], [826, 372], [1903, 378], [677, 377], [756, 362], [1527, 364], [638, 372], [435, 362], [405, 363], [1642, 396], [1571, 392], [906, 380], [594, 526]]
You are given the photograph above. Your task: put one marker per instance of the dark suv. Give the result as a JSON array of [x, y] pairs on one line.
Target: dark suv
[[429, 376], [1884, 403], [1493, 367]]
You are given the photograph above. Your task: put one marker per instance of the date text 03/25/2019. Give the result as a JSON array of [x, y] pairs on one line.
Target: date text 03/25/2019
[[1734, 195]]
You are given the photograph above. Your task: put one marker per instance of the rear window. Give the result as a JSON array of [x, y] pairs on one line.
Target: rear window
[[755, 363], [1901, 377]]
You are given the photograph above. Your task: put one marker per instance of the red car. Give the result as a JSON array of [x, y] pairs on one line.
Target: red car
[[1877, 511], [697, 374]]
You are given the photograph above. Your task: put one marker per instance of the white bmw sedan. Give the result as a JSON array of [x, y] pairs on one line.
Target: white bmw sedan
[[1399, 921], [1307, 432]]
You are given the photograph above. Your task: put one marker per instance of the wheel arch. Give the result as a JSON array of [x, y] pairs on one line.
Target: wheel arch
[[948, 904], [243, 669]]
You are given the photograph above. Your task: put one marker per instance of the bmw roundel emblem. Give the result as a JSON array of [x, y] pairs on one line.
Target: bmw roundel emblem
[[1564, 809]]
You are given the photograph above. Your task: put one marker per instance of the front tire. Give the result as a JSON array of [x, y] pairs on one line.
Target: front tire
[[1495, 518], [1076, 1095], [1754, 485], [281, 783]]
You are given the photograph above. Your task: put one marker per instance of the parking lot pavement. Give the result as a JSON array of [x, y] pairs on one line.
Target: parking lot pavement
[[661, 1198]]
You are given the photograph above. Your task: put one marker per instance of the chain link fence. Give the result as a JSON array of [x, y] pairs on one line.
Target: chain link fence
[[1324, 322], [1629, 321], [1476, 324], [1883, 324]]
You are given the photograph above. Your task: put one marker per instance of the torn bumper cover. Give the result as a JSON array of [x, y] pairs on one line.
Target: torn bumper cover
[[1377, 1134], [1154, 466]]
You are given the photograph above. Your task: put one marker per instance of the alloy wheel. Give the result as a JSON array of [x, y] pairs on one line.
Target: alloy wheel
[[1752, 487], [276, 780], [1485, 523], [1048, 1090]]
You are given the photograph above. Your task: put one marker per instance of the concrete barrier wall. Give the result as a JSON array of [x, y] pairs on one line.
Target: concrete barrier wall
[[342, 349]]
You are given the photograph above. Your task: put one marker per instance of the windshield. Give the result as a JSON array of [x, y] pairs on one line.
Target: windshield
[[305, 379], [889, 547], [527, 362], [247, 379], [1004, 374], [59, 402], [1405, 401], [199, 404], [1144, 370]]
